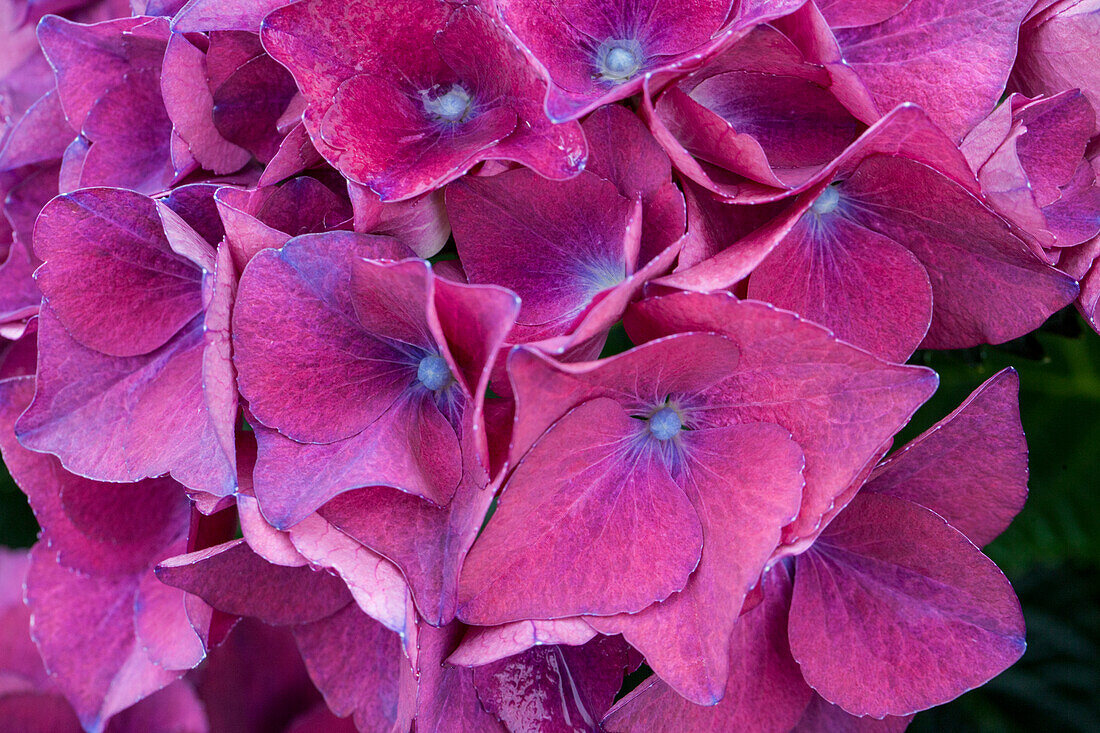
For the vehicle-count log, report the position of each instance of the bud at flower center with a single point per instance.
(618, 60)
(665, 423)
(827, 202)
(434, 373)
(451, 106)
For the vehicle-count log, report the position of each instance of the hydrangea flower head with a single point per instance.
(453, 366)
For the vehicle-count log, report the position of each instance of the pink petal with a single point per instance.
(367, 70)
(93, 527)
(475, 320)
(255, 682)
(564, 38)
(765, 693)
(87, 403)
(556, 151)
(823, 717)
(219, 378)
(359, 666)
(1055, 48)
(427, 542)
(295, 154)
(162, 628)
(18, 358)
(855, 13)
(724, 114)
(266, 541)
(1058, 130)
(745, 482)
(248, 104)
(581, 229)
(90, 59)
(906, 131)
(190, 105)
(421, 223)
(829, 270)
(584, 491)
(223, 15)
(622, 151)
(795, 374)
(637, 379)
(83, 626)
(926, 67)
(22, 666)
(20, 296)
(268, 217)
(40, 135)
(960, 242)
(1074, 218)
(233, 579)
(126, 155)
(321, 720)
(149, 291)
(577, 685)
(485, 644)
(970, 467)
(174, 709)
(894, 611)
(294, 314)
(447, 699)
(375, 583)
(411, 447)
(28, 710)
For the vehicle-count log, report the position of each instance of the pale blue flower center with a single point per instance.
(451, 106)
(618, 60)
(433, 372)
(603, 275)
(665, 423)
(827, 202)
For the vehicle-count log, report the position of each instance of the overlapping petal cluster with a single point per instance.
(435, 365)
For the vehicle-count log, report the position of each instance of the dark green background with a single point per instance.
(1051, 552)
